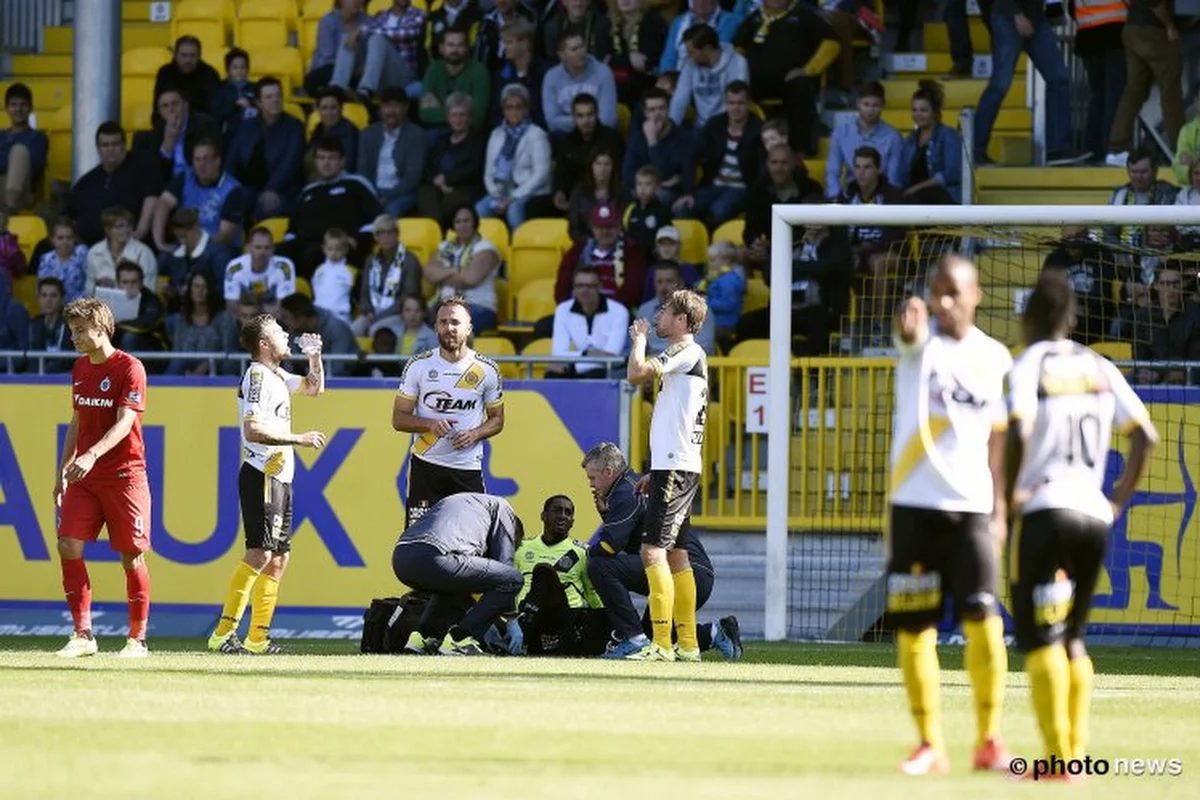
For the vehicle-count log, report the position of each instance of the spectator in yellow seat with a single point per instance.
(646, 215)
(413, 333)
(267, 155)
(785, 182)
(588, 324)
(710, 68)
(120, 179)
(345, 28)
(234, 101)
(789, 46)
(877, 250)
(600, 185)
(454, 72)
(465, 266)
(577, 73)
(68, 262)
(145, 332)
(392, 154)
(118, 245)
(1090, 271)
(1167, 330)
(730, 161)
(1143, 189)
(197, 252)
(390, 274)
(190, 74)
(866, 130)
(724, 285)
(215, 194)
(573, 150)
(203, 326)
(48, 331)
(330, 106)
(260, 276)
(517, 164)
(389, 47)
(579, 17)
(176, 129)
(454, 164)
(659, 142)
(638, 39)
(931, 157)
(1187, 149)
(620, 263)
(23, 150)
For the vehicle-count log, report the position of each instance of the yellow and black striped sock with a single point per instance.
(1050, 685)
(922, 680)
(266, 593)
(986, 660)
(236, 599)
(1079, 704)
(662, 603)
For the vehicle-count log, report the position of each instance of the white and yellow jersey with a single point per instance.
(1065, 399)
(460, 392)
(271, 285)
(949, 399)
(677, 422)
(265, 395)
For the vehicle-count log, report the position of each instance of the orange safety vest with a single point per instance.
(1094, 13)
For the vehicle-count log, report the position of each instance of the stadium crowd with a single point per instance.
(606, 115)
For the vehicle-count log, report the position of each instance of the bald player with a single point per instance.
(947, 508)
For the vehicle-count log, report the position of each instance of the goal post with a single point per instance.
(781, 420)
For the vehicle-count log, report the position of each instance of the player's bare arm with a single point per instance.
(493, 423)
(639, 368)
(405, 419)
(997, 445)
(260, 432)
(1142, 441)
(912, 322)
(1014, 456)
(314, 381)
(83, 463)
(68, 456)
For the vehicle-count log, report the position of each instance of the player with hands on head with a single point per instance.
(265, 480)
(1063, 401)
(101, 481)
(947, 507)
(452, 400)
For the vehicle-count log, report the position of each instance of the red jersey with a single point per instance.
(98, 390)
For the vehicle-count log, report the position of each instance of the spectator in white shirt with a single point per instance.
(333, 282)
(118, 245)
(588, 325)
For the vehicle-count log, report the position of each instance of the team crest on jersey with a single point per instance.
(433, 374)
(105, 384)
(471, 378)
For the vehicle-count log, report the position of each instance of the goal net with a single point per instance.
(1135, 273)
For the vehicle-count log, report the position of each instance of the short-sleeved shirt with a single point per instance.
(460, 392)
(274, 283)
(949, 399)
(265, 395)
(1065, 399)
(677, 424)
(568, 559)
(127, 186)
(99, 390)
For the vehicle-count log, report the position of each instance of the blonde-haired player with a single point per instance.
(947, 516)
(265, 479)
(676, 437)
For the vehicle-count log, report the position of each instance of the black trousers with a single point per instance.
(552, 627)
(615, 578)
(450, 580)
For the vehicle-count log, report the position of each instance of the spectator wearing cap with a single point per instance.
(267, 154)
(587, 324)
(662, 143)
(617, 259)
(664, 249)
(391, 154)
(517, 164)
(23, 150)
(667, 277)
(195, 78)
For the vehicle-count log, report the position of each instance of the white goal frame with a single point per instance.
(779, 416)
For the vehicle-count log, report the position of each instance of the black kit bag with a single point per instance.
(389, 621)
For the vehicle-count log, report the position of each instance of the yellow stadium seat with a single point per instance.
(58, 163)
(308, 38)
(538, 347)
(364, 343)
(286, 10)
(1114, 351)
(280, 62)
(29, 230)
(144, 62)
(278, 226)
(304, 287)
(534, 300)
(752, 348)
(292, 109)
(758, 295)
(537, 251)
(357, 114)
(260, 32)
(624, 115)
(499, 346)
(694, 247)
(503, 301)
(732, 231)
(495, 230)
(209, 21)
(25, 292)
(422, 236)
(138, 90)
(137, 115)
(315, 8)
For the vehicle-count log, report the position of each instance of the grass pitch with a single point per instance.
(791, 721)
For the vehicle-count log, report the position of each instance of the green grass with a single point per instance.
(812, 721)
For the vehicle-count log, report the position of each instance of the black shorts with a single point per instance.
(669, 506)
(933, 553)
(266, 510)
(429, 483)
(1054, 562)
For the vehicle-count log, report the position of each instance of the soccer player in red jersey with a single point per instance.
(102, 479)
